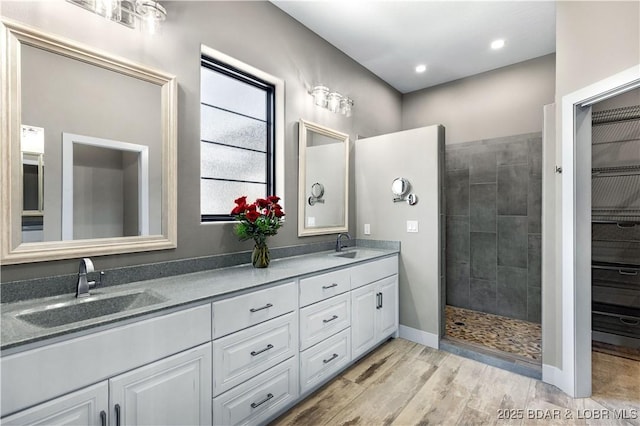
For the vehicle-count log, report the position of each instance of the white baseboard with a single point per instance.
(419, 336)
(553, 375)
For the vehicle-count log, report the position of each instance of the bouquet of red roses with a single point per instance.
(259, 219)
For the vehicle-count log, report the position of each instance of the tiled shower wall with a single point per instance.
(493, 225)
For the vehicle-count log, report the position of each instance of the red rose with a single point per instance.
(252, 216)
(241, 201)
(278, 212)
(262, 203)
(251, 207)
(273, 198)
(238, 209)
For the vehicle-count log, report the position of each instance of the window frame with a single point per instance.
(225, 64)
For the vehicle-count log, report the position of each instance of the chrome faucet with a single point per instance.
(339, 245)
(86, 266)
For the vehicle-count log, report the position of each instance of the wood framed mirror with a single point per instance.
(91, 95)
(324, 163)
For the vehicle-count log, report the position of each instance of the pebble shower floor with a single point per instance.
(515, 337)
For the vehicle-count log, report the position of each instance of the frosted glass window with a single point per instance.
(224, 162)
(217, 196)
(233, 95)
(236, 138)
(232, 129)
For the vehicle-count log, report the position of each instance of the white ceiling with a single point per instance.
(451, 37)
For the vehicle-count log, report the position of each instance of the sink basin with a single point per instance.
(349, 254)
(75, 310)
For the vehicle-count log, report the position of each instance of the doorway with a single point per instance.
(576, 215)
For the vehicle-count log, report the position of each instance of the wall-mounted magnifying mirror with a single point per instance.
(317, 192)
(324, 157)
(400, 188)
(110, 181)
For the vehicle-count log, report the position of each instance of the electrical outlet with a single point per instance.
(412, 226)
(367, 229)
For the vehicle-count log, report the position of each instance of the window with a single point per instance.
(239, 134)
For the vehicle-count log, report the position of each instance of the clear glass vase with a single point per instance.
(260, 256)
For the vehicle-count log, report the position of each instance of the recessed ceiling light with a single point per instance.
(497, 44)
(421, 68)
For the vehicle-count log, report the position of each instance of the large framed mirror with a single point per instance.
(323, 180)
(88, 150)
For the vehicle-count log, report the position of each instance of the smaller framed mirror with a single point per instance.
(323, 180)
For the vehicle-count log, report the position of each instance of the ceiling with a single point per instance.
(452, 38)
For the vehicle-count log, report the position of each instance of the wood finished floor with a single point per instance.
(403, 383)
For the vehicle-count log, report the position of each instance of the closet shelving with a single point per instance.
(616, 226)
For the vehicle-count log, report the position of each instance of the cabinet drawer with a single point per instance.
(320, 287)
(324, 359)
(242, 355)
(323, 319)
(240, 312)
(622, 325)
(369, 272)
(258, 399)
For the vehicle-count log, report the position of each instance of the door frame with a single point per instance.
(576, 226)
(68, 140)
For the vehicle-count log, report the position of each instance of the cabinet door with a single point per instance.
(173, 391)
(387, 321)
(88, 406)
(363, 320)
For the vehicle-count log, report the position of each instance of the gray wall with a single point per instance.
(257, 33)
(417, 156)
(493, 198)
(504, 102)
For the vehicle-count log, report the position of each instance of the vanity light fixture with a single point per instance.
(144, 14)
(333, 101)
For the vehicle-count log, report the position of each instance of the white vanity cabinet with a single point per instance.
(241, 359)
(151, 372)
(374, 314)
(173, 391)
(344, 314)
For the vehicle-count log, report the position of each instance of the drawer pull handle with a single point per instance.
(257, 404)
(254, 353)
(117, 408)
(335, 317)
(328, 360)
(326, 287)
(630, 273)
(627, 321)
(103, 418)
(267, 306)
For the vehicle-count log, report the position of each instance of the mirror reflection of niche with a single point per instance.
(105, 192)
(326, 165)
(32, 157)
(61, 94)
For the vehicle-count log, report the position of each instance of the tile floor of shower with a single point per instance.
(507, 338)
(517, 340)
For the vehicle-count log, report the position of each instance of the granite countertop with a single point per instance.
(172, 292)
